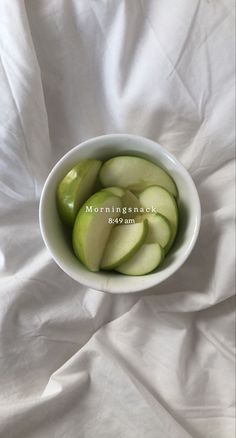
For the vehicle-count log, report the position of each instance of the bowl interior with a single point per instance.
(58, 239)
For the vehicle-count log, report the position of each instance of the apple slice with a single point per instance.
(159, 229)
(145, 260)
(75, 188)
(130, 202)
(118, 191)
(135, 174)
(92, 227)
(124, 241)
(131, 205)
(164, 203)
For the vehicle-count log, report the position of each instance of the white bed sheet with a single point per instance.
(74, 362)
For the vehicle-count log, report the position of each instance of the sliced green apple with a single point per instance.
(145, 260)
(164, 203)
(159, 229)
(130, 202)
(77, 185)
(124, 241)
(135, 174)
(92, 227)
(117, 191)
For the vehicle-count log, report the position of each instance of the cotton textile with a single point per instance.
(75, 362)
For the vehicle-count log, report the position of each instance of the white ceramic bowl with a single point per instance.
(102, 148)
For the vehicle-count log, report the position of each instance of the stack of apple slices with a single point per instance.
(129, 224)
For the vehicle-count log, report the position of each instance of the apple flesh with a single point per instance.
(124, 241)
(117, 191)
(165, 204)
(92, 228)
(159, 229)
(135, 174)
(144, 261)
(130, 202)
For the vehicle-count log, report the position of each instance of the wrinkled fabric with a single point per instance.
(75, 362)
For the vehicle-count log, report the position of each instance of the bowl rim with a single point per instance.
(138, 286)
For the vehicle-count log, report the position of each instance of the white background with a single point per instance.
(76, 363)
